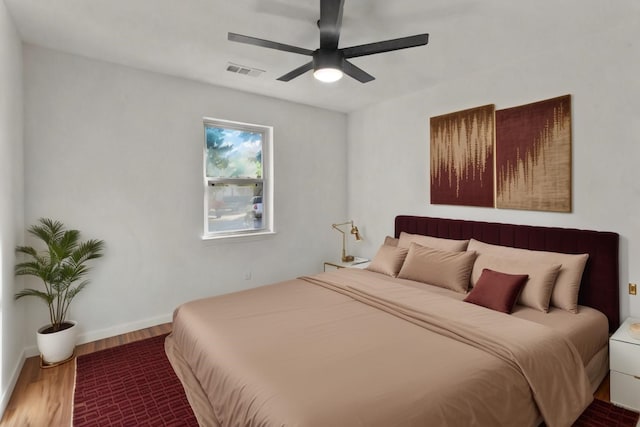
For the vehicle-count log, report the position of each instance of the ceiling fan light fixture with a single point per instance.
(327, 65)
(329, 61)
(328, 75)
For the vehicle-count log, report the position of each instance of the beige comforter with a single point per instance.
(354, 348)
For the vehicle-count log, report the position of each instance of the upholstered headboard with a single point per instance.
(600, 286)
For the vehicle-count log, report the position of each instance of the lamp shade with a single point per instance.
(356, 233)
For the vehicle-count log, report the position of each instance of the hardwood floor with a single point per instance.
(42, 397)
(602, 393)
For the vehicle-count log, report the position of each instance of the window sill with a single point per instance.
(238, 236)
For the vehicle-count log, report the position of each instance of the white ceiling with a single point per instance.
(188, 38)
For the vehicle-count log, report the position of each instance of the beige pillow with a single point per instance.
(432, 242)
(390, 241)
(445, 269)
(538, 287)
(567, 285)
(388, 260)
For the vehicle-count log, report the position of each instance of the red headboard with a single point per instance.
(600, 286)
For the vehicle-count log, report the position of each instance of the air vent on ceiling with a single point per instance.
(243, 69)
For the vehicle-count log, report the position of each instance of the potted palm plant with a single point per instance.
(62, 268)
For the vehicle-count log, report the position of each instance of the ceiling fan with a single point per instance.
(330, 62)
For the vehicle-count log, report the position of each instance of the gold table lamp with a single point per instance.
(354, 231)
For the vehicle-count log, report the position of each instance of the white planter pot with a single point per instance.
(58, 346)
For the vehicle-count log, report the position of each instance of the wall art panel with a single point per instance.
(533, 156)
(462, 157)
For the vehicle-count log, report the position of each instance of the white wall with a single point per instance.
(388, 168)
(117, 153)
(11, 202)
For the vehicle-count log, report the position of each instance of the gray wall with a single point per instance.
(117, 153)
(11, 203)
(389, 142)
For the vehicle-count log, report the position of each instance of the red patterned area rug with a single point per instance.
(134, 385)
(130, 385)
(604, 414)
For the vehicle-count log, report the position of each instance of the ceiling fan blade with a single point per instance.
(268, 43)
(357, 73)
(297, 72)
(330, 23)
(386, 46)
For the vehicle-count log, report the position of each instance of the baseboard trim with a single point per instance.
(6, 394)
(111, 332)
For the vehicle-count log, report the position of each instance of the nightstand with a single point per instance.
(624, 362)
(356, 263)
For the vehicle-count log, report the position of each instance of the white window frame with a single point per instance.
(267, 179)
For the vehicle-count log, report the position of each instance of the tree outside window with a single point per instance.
(237, 198)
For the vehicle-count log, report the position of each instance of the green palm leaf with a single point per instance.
(60, 266)
(48, 298)
(75, 291)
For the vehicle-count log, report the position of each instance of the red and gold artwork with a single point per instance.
(462, 157)
(533, 156)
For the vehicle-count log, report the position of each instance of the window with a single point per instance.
(237, 179)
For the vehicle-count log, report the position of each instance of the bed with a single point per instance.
(363, 348)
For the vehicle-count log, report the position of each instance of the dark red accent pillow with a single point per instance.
(497, 291)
